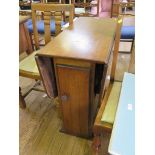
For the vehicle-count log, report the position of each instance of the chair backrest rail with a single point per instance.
(116, 47)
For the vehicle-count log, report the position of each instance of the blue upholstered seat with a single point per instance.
(40, 26)
(128, 32)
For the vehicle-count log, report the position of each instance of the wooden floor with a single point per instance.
(39, 130)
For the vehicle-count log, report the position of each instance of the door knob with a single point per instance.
(64, 97)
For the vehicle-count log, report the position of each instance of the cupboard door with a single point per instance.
(73, 83)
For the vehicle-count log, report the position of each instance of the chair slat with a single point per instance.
(47, 18)
(58, 19)
(36, 35)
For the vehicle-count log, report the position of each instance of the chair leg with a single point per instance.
(21, 100)
(132, 45)
(96, 145)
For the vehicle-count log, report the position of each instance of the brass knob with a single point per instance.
(64, 97)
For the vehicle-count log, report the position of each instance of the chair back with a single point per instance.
(48, 11)
(86, 5)
(116, 47)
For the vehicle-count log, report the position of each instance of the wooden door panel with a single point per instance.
(74, 94)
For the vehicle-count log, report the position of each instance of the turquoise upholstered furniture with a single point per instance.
(122, 140)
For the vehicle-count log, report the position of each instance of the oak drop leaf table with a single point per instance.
(75, 65)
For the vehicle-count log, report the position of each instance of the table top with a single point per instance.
(23, 19)
(122, 140)
(89, 39)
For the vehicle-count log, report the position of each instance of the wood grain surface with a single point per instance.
(89, 38)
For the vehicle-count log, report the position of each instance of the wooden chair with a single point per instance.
(26, 5)
(28, 67)
(127, 31)
(83, 7)
(25, 42)
(40, 21)
(108, 101)
(107, 111)
(119, 8)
